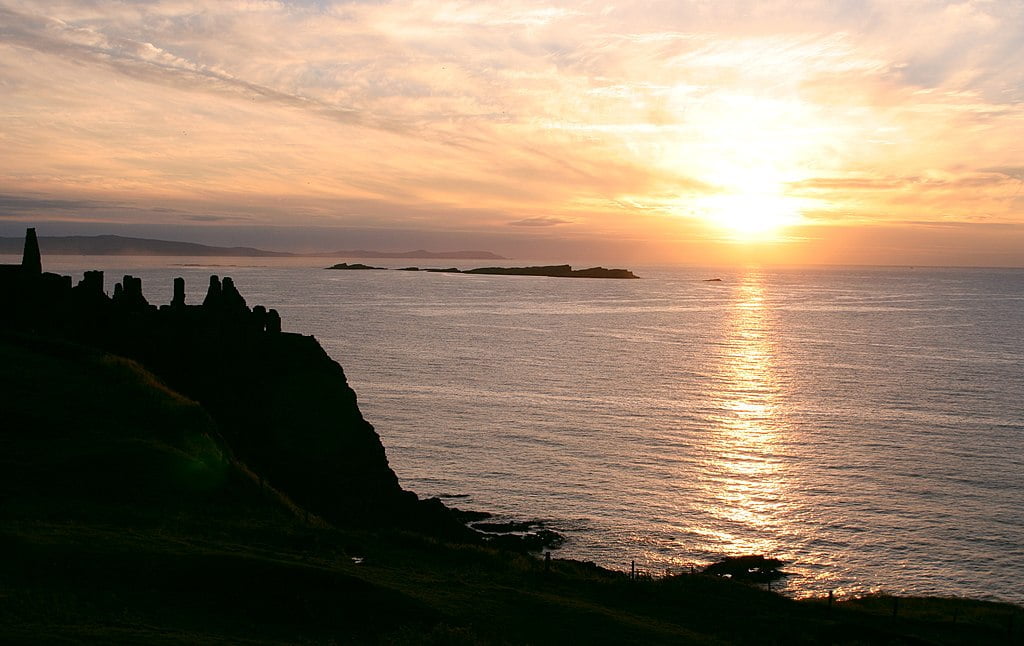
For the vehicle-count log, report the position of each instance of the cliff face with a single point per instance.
(282, 405)
(286, 409)
(73, 441)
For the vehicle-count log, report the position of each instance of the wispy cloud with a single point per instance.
(146, 62)
(540, 221)
(17, 205)
(619, 118)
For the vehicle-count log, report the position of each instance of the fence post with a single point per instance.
(831, 597)
(632, 570)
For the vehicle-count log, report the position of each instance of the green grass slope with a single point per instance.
(124, 518)
(87, 430)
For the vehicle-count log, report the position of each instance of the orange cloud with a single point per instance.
(655, 125)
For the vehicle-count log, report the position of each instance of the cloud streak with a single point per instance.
(539, 221)
(146, 62)
(626, 120)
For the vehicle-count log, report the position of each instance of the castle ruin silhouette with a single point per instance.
(45, 300)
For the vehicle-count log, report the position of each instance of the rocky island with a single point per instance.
(551, 271)
(195, 474)
(555, 271)
(355, 265)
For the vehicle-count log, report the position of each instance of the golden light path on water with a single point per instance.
(733, 491)
(862, 425)
(749, 488)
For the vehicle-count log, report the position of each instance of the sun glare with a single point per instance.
(750, 216)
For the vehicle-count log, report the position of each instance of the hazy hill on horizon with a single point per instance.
(115, 245)
(418, 253)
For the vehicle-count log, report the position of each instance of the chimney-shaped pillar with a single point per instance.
(273, 322)
(92, 282)
(31, 263)
(179, 293)
(214, 295)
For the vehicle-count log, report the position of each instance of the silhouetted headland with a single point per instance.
(283, 406)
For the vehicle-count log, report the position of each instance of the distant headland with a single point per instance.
(113, 245)
(551, 271)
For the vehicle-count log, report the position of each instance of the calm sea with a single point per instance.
(864, 425)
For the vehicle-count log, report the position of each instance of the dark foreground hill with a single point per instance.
(124, 518)
(141, 503)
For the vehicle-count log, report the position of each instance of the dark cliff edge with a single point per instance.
(279, 402)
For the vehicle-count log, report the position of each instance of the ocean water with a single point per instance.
(865, 425)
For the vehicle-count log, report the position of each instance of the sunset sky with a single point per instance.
(887, 132)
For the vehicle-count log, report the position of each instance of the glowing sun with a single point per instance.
(750, 216)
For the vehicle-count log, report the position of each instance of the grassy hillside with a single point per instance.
(124, 517)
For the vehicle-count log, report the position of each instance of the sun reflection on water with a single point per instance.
(746, 490)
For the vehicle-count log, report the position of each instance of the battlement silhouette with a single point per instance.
(281, 405)
(31, 264)
(45, 301)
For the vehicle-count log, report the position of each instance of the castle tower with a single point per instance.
(179, 293)
(214, 295)
(31, 263)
